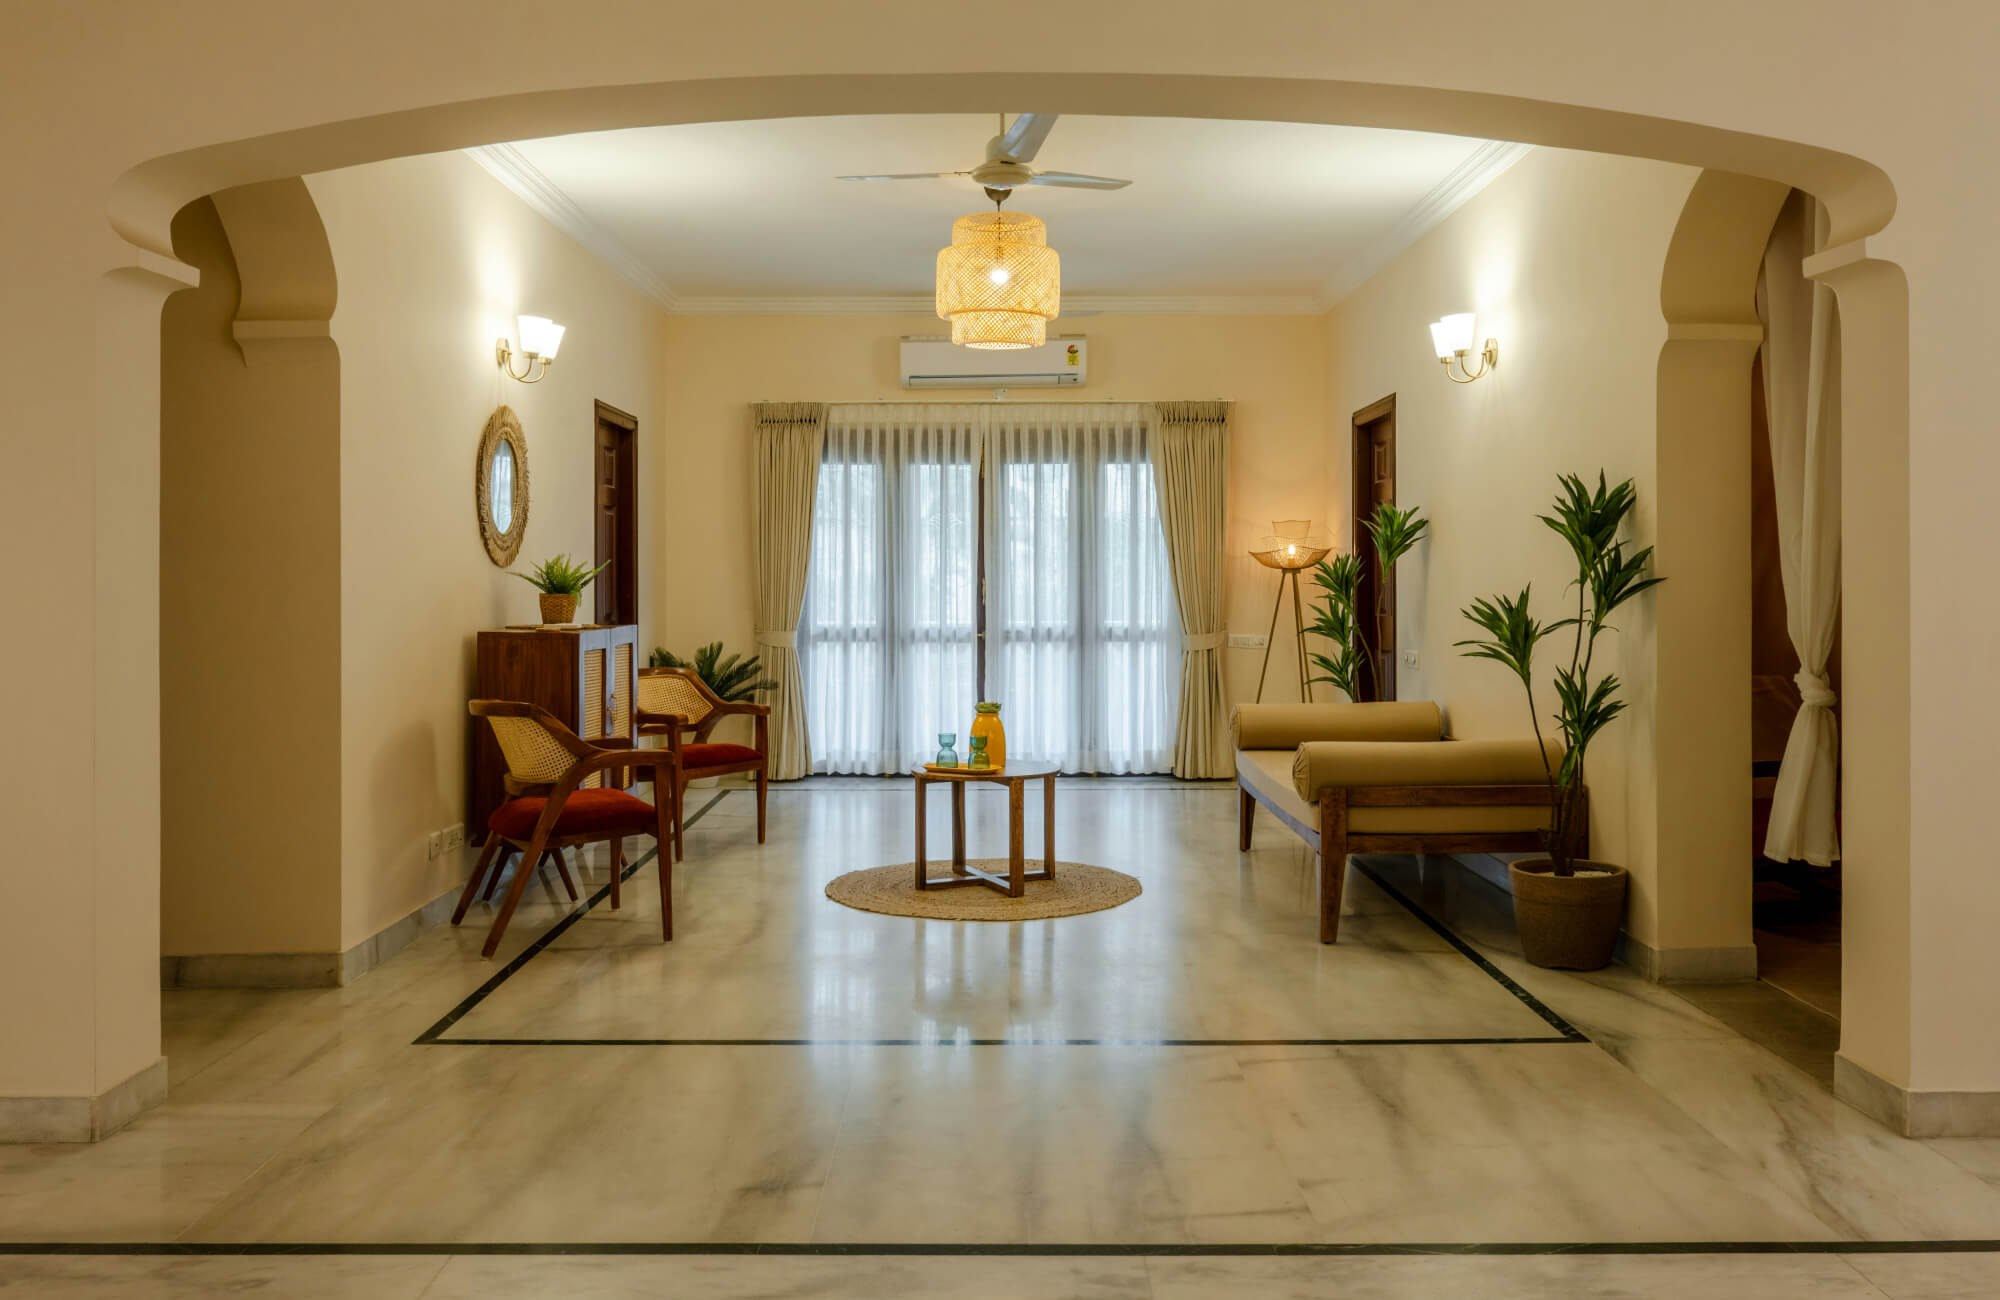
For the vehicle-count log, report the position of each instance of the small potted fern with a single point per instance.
(1568, 908)
(560, 580)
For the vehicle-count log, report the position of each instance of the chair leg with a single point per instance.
(486, 856)
(680, 820)
(499, 869)
(1246, 816)
(562, 869)
(664, 822)
(531, 855)
(617, 871)
(763, 783)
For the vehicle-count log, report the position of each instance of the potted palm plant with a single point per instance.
(1335, 618)
(1568, 908)
(732, 679)
(560, 580)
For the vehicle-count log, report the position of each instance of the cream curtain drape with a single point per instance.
(1802, 397)
(1190, 450)
(789, 438)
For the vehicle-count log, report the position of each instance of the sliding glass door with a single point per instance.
(888, 635)
(1081, 639)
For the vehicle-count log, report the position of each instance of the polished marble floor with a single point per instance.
(1189, 1082)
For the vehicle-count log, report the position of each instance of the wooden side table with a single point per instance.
(1014, 776)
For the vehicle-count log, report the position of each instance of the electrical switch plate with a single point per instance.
(1247, 641)
(1412, 659)
(437, 843)
(454, 836)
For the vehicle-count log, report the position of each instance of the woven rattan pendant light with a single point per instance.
(999, 284)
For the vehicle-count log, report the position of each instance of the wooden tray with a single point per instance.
(965, 767)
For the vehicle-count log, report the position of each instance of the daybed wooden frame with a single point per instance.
(1332, 841)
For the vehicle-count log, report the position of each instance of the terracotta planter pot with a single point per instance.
(1568, 922)
(558, 607)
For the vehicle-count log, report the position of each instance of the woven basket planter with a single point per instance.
(1568, 922)
(558, 607)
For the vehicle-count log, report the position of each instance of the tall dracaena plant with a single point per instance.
(1335, 617)
(1607, 576)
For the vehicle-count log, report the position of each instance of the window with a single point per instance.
(1082, 643)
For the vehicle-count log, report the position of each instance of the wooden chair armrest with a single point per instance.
(743, 706)
(647, 718)
(653, 758)
(610, 742)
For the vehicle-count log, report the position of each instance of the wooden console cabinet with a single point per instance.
(584, 674)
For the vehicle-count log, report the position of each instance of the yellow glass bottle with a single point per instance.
(986, 722)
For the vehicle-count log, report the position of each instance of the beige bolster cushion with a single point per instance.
(1286, 726)
(1326, 764)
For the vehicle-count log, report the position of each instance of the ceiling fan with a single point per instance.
(1007, 157)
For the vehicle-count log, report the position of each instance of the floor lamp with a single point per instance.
(1290, 550)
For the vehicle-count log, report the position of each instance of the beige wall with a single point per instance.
(1272, 367)
(435, 260)
(1878, 119)
(1561, 257)
(249, 623)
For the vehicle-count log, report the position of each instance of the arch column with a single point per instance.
(83, 1025)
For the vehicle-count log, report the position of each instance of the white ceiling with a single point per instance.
(1221, 215)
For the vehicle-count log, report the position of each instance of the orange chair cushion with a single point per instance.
(715, 755)
(587, 812)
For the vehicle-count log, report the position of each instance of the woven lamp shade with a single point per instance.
(999, 284)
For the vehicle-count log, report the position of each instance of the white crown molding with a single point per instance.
(1480, 169)
(511, 168)
(1073, 305)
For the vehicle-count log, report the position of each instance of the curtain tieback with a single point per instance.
(786, 639)
(1203, 641)
(1815, 692)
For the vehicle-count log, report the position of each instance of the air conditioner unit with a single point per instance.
(940, 363)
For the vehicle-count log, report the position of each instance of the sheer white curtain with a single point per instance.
(1083, 641)
(887, 634)
(1802, 402)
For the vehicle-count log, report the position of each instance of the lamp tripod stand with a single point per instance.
(1287, 577)
(1290, 551)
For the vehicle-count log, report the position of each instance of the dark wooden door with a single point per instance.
(1374, 481)
(615, 481)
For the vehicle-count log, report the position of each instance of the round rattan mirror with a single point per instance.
(500, 487)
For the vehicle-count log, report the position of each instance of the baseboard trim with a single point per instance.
(83, 1119)
(1662, 966)
(1916, 1114)
(304, 970)
(1688, 965)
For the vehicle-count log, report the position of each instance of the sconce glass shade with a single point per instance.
(540, 336)
(1454, 334)
(999, 284)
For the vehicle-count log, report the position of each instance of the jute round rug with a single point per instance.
(1077, 888)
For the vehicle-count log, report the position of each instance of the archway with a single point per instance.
(1858, 195)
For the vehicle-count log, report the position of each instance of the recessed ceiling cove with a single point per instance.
(1220, 215)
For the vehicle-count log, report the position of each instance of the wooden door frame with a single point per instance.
(1361, 498)
(626, 571)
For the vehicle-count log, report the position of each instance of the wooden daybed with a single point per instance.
(1384, 778)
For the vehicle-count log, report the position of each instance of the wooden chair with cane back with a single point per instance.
(676, 702)
(548, 807)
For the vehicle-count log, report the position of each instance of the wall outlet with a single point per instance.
(1412, 659)
(436, 843)
(454, 837)
(1248, 641)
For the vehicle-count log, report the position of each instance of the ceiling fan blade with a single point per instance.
(906, 176)
(1023, 140)
(1078, 181)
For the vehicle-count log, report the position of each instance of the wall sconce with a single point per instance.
(540, 340)
(1452, 337)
